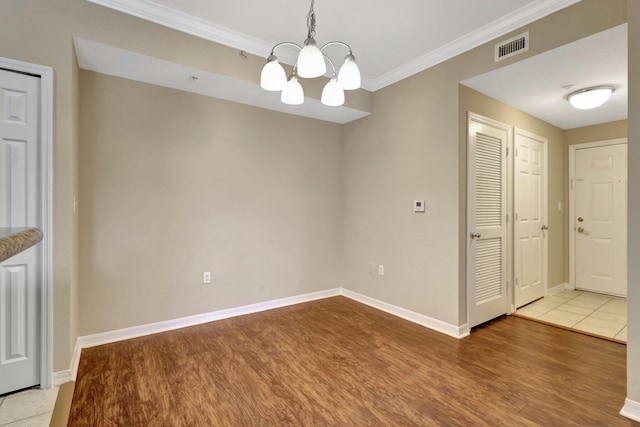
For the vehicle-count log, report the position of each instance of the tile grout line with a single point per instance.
(25, 418)
(585, 317)
(620, 331)
(43, 411)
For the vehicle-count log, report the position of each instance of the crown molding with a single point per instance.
(177, 20)
(482, 35)
(172, 18)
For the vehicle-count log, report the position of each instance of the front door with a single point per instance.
(600, 230)
(20, 275)
(530, 217)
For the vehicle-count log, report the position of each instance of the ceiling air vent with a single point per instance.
(514, 46)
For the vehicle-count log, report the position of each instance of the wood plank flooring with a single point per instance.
(336, 362)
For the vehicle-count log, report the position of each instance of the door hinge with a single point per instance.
(507, 151)
(507, 218)
(508, 285)
(571, 184)
(516, 281)
(516, 154)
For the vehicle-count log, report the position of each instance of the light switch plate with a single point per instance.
(418, 206)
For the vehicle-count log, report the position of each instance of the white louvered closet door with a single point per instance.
(487, 227)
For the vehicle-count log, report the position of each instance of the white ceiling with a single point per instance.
(537, 85)
(391, 41)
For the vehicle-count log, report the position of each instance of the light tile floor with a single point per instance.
(597, 314)
(29, 408)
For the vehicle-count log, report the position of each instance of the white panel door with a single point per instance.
(601, 219)
(487, 228)
(530, 218)
(20, 275)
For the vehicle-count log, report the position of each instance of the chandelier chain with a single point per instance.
(311, 22)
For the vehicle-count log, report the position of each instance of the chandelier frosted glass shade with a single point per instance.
(273, 77)
(592, 97)
(332, 94)
(311, 63)
(349, 74)
(292, 92)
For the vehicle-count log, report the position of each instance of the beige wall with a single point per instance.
(41, 32)
(174, 184)
(411, 148)
(633, 296)
(600, 132)
(558, 252)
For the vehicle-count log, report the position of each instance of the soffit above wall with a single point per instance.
(105, 59)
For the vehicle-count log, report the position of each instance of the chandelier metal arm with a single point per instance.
(337, 43)
(333, 67)
(273, 49)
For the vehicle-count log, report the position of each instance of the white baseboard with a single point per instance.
(198, 319)
(556, 289)
(631, 409)
(168, 325)
(61, 377)
(426, 321)
(75, 359)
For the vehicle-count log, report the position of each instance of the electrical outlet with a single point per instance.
(206, 278)
(381, 270)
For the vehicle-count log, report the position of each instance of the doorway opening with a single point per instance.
(538, 99)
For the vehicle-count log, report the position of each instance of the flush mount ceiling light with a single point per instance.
(311, 63)
(591, 97)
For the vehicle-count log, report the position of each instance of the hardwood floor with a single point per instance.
(336, 362)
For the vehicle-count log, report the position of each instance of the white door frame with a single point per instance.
(572, 207)
(46, 203)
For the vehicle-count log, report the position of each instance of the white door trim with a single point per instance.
(572, 213)
(46, 166)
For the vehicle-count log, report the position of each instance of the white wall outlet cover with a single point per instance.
(418, 206)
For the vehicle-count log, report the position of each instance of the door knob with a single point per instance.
(475, 235)
(580, 229)
(545, 227)
(580, 219)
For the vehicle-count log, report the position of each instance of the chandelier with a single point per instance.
(311, 63)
